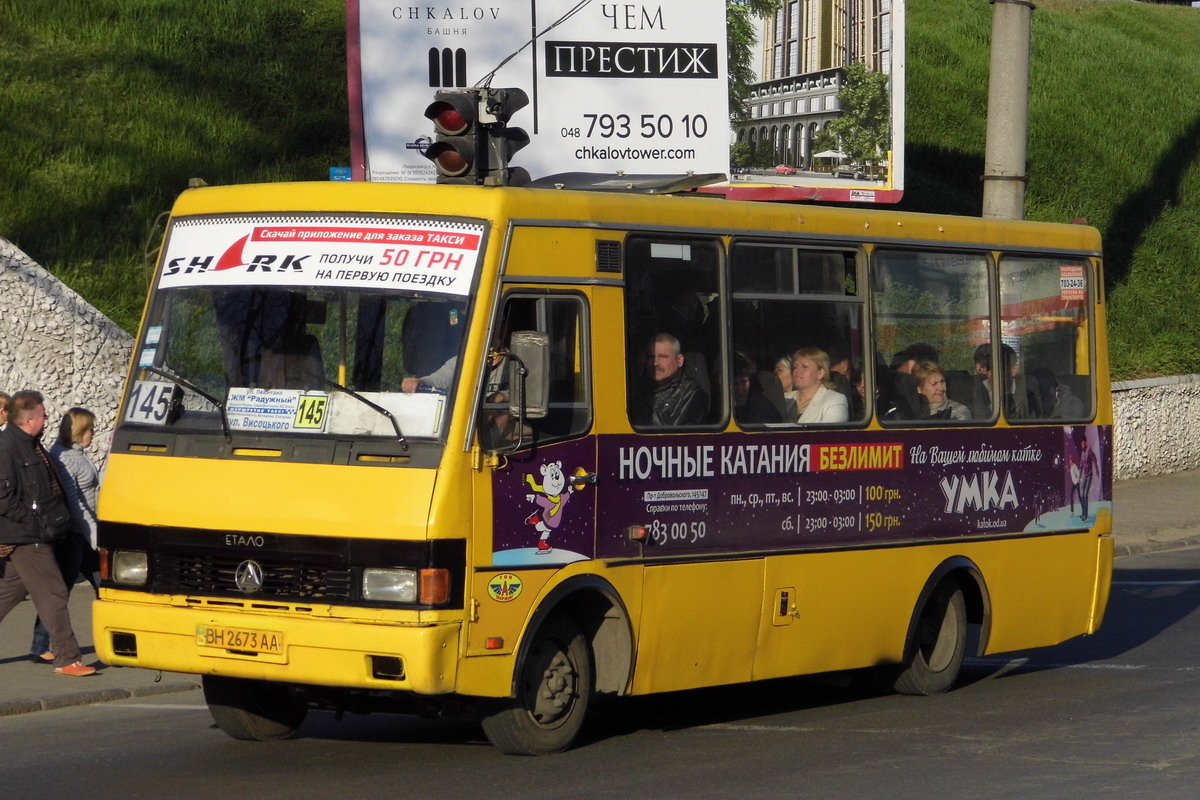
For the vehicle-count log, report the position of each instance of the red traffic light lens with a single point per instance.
(450, 163)
(447, 120)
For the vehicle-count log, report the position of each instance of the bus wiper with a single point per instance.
(391, 417)
(189, 385)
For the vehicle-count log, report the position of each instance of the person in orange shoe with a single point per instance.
(33, 514)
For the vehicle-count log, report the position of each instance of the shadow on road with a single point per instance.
(1144, 603)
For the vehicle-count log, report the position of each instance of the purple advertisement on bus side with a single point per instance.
(698, 495)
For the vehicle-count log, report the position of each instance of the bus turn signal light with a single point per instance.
(435, 586)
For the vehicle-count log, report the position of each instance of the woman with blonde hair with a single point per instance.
(817, 398)
(931, 386)
(76, 553)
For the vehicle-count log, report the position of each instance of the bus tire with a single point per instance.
(257, 711)
(940, 642)
(553, 689)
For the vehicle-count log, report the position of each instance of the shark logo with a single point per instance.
(234, 256)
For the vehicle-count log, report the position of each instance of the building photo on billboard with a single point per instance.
(828, 106)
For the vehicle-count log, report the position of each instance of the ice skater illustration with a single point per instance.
(551, 498)
(1075, 476)
(1089, 468)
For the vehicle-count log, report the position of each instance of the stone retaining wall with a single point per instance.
(57, 343)
(1157, 425)
(54, 341)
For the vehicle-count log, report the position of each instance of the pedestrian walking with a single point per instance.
(33, 514)
(76, 553)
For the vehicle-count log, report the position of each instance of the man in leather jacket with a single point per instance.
(29, 566)
(677, 399)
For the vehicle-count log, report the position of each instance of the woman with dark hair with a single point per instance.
(76, 553)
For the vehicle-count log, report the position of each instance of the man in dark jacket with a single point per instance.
(677, 399)
(27, 477)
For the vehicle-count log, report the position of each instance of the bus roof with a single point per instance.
(616, 210)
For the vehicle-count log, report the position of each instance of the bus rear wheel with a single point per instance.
(553, 689)
(940, 642)
(257, 711)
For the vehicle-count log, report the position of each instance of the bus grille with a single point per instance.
(214, 575)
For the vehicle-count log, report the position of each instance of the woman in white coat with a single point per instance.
(817, 398)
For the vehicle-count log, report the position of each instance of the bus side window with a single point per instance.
(673, 313)
(564, 319)
(1044, 322)
(789, 299)
(932, 322)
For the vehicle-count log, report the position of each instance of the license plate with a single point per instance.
(246, 640)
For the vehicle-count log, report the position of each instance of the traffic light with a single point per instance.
(474, 142)
(455, 152)
(503, 141)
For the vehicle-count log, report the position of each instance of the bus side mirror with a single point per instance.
(529, 374)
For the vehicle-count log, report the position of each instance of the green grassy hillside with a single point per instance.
(108, 107)
(1114, 118)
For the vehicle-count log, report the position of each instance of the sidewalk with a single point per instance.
(1152, 514)
(26, 686)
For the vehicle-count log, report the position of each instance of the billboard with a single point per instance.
(612, 86)
(826, 117)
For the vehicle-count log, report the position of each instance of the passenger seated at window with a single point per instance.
(907, 359)
(674, 398)
(1063, 403)
(783, 374)
(896, 395)
(1019, 401)
(817, 399)
(840, 366)
(858, 402)
(750, 405)
(839, 363)
(931, 386)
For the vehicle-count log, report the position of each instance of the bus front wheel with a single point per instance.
(940, 642)
(553, 688)
(253, 710)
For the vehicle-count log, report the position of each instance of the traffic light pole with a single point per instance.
(1004, 160)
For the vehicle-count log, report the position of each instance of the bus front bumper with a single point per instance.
(322, 651)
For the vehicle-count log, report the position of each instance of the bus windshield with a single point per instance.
(307, 324)
(299, 360)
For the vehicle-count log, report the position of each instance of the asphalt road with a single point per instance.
(1113, 715)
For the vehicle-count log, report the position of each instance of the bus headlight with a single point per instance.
(130, 567)
(390, 585)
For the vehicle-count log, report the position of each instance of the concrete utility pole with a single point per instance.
(1008, 111)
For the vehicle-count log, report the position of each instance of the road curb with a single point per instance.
(1155, 546)
(28, 705)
